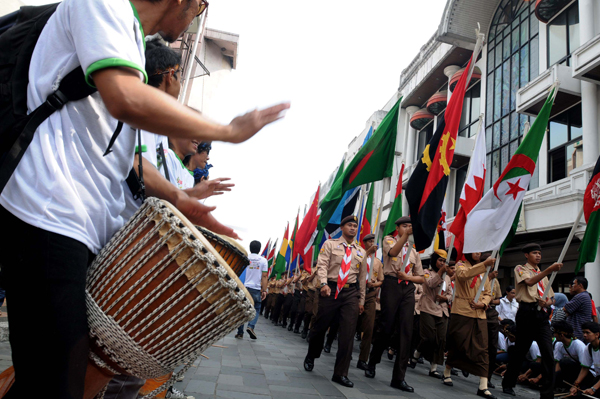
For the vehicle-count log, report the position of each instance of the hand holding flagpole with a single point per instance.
(484, 279)
(450, 248)
(495, 269)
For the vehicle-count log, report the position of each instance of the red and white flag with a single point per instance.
(471, 193)
(307, 232)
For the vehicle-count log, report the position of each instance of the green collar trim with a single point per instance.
(182, 165)
(135, 13)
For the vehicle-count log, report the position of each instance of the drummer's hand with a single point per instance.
(245, 126)
(207, 188)
(200, 214)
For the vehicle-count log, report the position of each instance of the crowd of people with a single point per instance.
(414, 314)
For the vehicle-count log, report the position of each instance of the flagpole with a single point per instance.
(378, 230)
(495, 269)
(562, 254)
(450, 248)
(485, 276)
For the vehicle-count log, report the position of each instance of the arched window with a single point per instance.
(512, 62)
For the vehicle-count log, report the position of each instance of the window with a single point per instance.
(423, 138)
(563, 36)
(565, 144)
(471, 112)
(512, 61)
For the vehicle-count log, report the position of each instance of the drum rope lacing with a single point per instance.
(112, 337)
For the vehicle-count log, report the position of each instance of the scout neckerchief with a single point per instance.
(478, 277)
(540, 285)
(404, 255)
(344, 269)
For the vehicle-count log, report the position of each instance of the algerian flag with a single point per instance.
(489, 222)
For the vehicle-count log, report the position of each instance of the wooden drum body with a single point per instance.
(159, 294)
(232, 252)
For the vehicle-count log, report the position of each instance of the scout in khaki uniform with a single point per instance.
(434, 312)
(368, 316)
(467, 330)
(279, 299)
(270, 297)
(303, 284)
(310, 300)
(532, 324)
(397, 302)
(493, 325)
(342, 283)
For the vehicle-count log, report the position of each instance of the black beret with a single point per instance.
(531, 247)
(402, 220)
(349, 219)
(369, 237)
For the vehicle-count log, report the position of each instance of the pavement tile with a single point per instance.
(230, 379)
(203, 387)
(243, 389)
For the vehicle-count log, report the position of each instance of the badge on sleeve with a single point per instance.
(390, 241)
(520, 271)
(322, 249)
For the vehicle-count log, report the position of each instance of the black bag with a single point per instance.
(19, 32)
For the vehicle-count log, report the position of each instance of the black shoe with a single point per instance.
(309, 363)
(412, 363)
(327, 348)
(390, 355)
(296, 331)
(362, 365)
(304, 334)
(284, 324)
(421, 360)
(401, 385)
(484, 393)
(490, 385)
(453, 372)
(342, 380)
(290, 327)
(358, 338)
(465, 373)
(508, 391)
(251, 332)
(370, 372)
(435, 374)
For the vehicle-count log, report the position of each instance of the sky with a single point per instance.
(337, 62)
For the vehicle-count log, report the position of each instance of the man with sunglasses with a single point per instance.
(66, 195)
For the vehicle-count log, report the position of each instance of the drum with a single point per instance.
(234, 254)
(159, 294)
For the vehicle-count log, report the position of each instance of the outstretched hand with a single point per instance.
(244, 127)
(200, 214)
(207, 188)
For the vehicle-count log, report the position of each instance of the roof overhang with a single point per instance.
(460, 19)
(227, 42)
(531, 98)
(546, 9)
(586, 61)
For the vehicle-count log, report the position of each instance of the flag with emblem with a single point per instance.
(396, 210)
(426, 187)
(373, 162)
(440, 238)
(490, 221)
(344, 269)
(591, 207)
(307, 232)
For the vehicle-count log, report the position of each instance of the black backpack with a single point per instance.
(19, 33)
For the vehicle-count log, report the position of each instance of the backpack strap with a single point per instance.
(163, 159)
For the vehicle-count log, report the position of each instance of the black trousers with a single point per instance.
(287, 307)
(397, 309)
(532, 325)
(333, 331)
(296, 298)
(300, 312)
(44, 276)
(569, 371)
(276, 312)
(493, 328)
(344, 310)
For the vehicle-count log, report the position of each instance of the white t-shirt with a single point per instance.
(507, 309)
(576, 350)
(179, 175)
(150, 143)
(64, 183)
(504, 342)
(593, 362)
(258, 265)
(534, 352)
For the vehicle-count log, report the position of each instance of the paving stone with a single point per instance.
(203, 387)
(230, 379)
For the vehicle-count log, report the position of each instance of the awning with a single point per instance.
(421, 118)
(437, 103)
(546, 9)
(474, 77)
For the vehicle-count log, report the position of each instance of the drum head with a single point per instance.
(209, 247)
(230, 242)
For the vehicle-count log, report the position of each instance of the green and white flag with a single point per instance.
(490, 221)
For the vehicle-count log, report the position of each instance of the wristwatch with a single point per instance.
(323, 285)
(593, 389)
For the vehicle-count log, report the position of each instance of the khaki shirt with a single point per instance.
(418, 295)
(277, 287)
(271, 287)
(312, 285)
(377, 274)
(497, 294)
(393, 264)
(304, 280)
(465, 273)
(433, 282)
(330, 260)
(524, 292)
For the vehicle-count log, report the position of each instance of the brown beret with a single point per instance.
(531, 247)
(369, 237)
(402, 220)
(349, 219)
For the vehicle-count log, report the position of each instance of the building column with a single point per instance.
(411, 135)
(589, 98)
(449, 71)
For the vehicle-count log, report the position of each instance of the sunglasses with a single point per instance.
(173, 70)
(202, 7)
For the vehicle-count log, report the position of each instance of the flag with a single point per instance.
(591, 204)
(440, 238)
(374, 161)
(345, 208)
(292, 261)
(471, 193)
(265, 252)
(271, 257)
(307, 232)
(280, 261)
(491, 219)
(366, 225)
(426, 187)
(396, 210)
